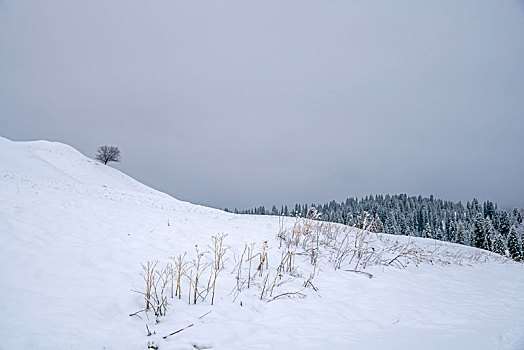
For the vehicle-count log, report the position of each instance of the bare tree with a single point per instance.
(106, 154)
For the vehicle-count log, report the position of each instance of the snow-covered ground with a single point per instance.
(73, 235)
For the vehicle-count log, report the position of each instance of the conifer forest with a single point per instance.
(478, 225)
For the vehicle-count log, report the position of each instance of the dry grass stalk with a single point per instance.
(149, 279)
(287, 263)
(219, 250)
(281, 229)
(309, 282)
(179, 270)
(159, 288)
(264, 286)
(199, 267)
(190, 284)
(277, 275)
(263, 258)
(156, 282)
(250, 258)
(342, 250)
(239, 271)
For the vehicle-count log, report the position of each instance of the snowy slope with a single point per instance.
(74, 232)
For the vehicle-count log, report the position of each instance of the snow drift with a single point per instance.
(74, 233)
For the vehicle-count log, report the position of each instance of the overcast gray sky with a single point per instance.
(242, 103)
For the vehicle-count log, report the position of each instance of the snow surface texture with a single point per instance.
(73, 235)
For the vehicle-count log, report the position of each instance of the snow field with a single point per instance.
(73, 235)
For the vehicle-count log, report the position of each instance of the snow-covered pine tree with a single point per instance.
(513, 245)
(489, 209)
(498, 245)
(504, 225)
(460, 237)
(391, 225)
(427, 231)
(451, 229)
(479, 234)
(489, 233)
(517, 215)
(439, 235)
(522, 250)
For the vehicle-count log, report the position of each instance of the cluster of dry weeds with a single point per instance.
(200, 275)
(314, 243)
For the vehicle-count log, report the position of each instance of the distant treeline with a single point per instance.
(482, 226)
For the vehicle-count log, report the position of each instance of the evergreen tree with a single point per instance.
(498, 245)
(522, 250)
(513, 245)
(391, 225)
(489, 210)
(517, 215)
(504, 224)
(478, 232)
(461, 234)
(489, 234)
(450, 229)
(427, 231)
(439, 235)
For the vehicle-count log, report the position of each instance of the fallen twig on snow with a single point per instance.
(180, 330)
(204, 315)
(289, 295)
(136, 313)
(361, 272)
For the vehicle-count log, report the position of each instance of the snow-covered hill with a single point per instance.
(73, 235)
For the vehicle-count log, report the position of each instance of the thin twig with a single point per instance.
(289, 294)
(180, 330)
(204, 315)
(361, 272)
(135, 313)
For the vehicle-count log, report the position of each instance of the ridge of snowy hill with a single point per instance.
(74, 233)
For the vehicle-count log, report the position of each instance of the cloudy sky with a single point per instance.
(241, 103)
